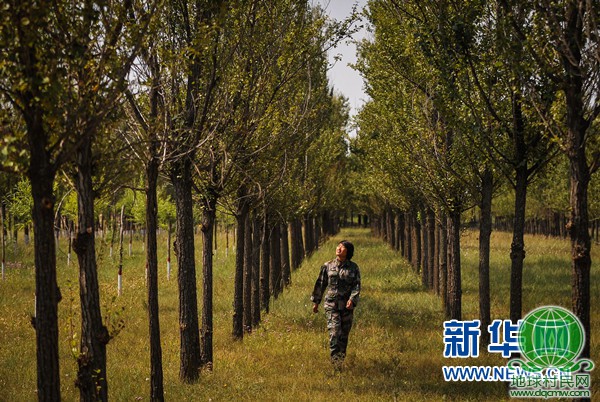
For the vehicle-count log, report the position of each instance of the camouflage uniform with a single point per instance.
(342, 281)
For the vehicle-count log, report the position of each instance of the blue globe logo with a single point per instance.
(551, 336)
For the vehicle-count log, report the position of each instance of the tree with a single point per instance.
(190, 78)
(63, 68)
(151, 139)
(22, 66)
(571, 64)
(413, 84)
(269, 62)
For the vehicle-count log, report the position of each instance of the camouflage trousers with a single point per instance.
(339, 323)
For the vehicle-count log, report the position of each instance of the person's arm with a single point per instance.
(319, 289)
(354, 295)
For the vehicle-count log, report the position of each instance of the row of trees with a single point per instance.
(218, 104)
(470, 101)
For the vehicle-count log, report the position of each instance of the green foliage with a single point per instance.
(166, 208)
(550, 190)
(63, 68)
(280, 130)
(70, 321)
(66, 200)
(19, 203)
(13, 155)
(114, 317)
(135, 205)
(444, 81)
(415, 137)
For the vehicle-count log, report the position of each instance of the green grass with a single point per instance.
(395, 348)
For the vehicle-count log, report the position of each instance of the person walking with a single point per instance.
(339, 283)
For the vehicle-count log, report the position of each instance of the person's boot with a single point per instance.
(337, 361)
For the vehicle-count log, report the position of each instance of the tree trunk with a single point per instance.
(309, 234)
(206, 333)
(186, 273)
(295, 243)
(424, 250)
(328, 229)
(248, 264)
(408, 237)
(454, 268)
(15, 234)
(26, 234)
(285, 255)
(430, 248)
(238, 297)
(335, 223)
(70, 246)
(114, 229)
(91, 375)
(485, 231)
(47, 294)
(226, 240)
(215, 234)
(121, 234)
(143, 232)
(383, 228)
(517, 247)
(265, 261)
(444, 263)
(436, 257)
(317, 237)
(156, 371)
(417, 242)
(100, 225)
(256, 242)
(170, 229)
(2, 235)
(391, 230)
(579, 182)
(275, 261)
(300, 246)
(400, 233)
(131, 229)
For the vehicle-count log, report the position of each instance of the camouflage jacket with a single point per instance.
(342, 281)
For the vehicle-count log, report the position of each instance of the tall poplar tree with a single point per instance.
(64, 66)
(570, 61)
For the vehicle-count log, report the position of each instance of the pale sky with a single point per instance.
(343, 78)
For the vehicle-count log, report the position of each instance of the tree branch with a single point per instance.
(136, 110)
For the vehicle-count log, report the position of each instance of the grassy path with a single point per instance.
(394, 353)
(394, 350)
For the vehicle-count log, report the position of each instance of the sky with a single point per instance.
(343, 78)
